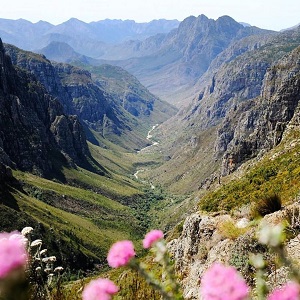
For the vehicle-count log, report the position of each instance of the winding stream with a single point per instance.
(149, 136)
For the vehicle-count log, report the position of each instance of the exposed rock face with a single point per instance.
(27, 113)
(258, 125)
(197, 248)
(107, 105)
(202, 243)
(245, 102)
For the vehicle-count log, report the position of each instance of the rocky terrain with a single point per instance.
(34, 125)
(114, 118)
(244, 102)
(205, 240)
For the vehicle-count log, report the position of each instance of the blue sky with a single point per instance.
(268, 14)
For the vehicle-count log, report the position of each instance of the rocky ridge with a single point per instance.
(244, 102)
(91, 100)
(33, 124)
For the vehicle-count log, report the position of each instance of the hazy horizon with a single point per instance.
(275, 15)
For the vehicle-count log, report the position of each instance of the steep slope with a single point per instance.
(81, 95)
(131, 94)
(231, 119)
(34, 127)
(185, 54)
(84, 207)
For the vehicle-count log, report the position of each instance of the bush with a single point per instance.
(266, 205)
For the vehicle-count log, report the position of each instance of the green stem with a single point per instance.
(150, 279)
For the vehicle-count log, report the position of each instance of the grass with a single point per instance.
(278, 173)
(93, 222)
(229, 230)
(83, 215)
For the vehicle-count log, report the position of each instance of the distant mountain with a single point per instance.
(167, 57)
(291, 28)
(114, 31)
(245, 24)
(60, 52)
(85, 38)
(23, 33)
(173, 62)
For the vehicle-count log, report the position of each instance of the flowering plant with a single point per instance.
(18, 253)
(219, 282)
(24, 266)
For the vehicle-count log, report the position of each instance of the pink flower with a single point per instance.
(152, 237)
(289, 292)
(99, 289)
(120, 254)
(223, 283)
(13, 254)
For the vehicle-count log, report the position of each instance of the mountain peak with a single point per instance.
(74, 21)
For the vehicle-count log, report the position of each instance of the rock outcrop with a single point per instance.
(30, 136)
(258, 125)
(203, 242)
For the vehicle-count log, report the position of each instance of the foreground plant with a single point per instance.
(99, 289)
(25, 270)
(122, 253)
(219, 282)
(13, 262)
(19, 256)
(223, 283)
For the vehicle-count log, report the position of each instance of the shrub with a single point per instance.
(266, 205)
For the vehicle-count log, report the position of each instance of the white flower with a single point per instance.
(257, 261)
(272, 236)
(49, 259)
(52, 258)
(36, 243)
(43, 251)
(38, 269)
(26, 230)
(47, 270)
(58, 269)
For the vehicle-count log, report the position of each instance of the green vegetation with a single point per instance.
(84, 213)
(266, 205)
(229, 230)
(277, 174)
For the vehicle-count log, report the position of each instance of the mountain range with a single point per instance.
(160, 53)
(90, 38)
(76, 122)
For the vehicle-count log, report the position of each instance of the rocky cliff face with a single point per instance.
(30, 133)
(243, 104)
(107, 106)
(258, 126)
(204, 241)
